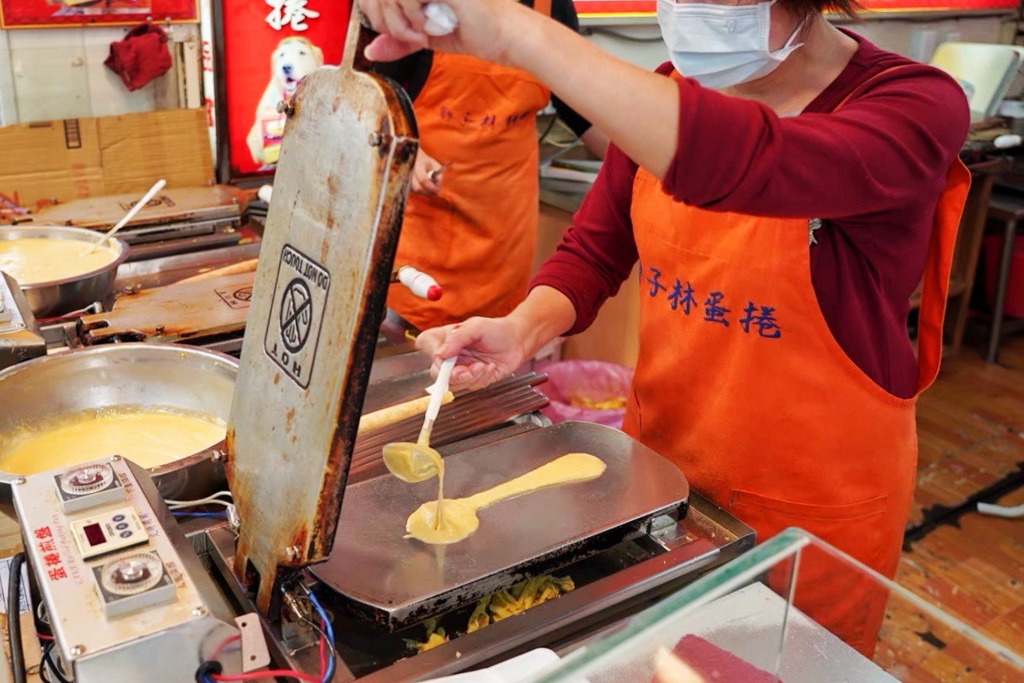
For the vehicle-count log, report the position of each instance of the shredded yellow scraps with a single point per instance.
(617, 403)
(519, 598)
(435, 637)
(410, 335)
(501, 605)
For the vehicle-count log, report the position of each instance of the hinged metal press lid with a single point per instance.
(316, 308)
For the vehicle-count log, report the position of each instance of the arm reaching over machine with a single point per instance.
(637, 109)
(492, 348)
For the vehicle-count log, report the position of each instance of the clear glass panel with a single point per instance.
(794, 609)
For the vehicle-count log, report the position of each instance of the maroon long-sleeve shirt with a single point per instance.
(873, 170)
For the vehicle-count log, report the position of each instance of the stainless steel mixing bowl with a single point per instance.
(57, 297)
(129, 375)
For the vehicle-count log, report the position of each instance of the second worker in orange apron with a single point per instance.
(472, 226)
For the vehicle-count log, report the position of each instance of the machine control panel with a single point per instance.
(108, 532)
(87, 486)
(132, 582)
(116, 573)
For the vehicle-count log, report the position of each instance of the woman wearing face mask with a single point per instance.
(784, 198)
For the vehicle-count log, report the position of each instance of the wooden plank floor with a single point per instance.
(971, 430)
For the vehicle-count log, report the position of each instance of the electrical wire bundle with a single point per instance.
(210, 671)
(14, 620)
(49, 665)
(180, 508)
(52, 665)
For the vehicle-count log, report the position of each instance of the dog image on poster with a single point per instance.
(293, 59)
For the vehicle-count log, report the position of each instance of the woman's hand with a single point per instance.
(482, 30)
(426, 175)
(489, 349)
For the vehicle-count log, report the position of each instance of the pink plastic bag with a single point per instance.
(576, 381)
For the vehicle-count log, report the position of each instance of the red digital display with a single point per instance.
(94, 534)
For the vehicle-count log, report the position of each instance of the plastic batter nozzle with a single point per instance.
(438, 389)
(420, 284)
(441, 19)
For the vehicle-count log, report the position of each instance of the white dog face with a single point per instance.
(294, 59)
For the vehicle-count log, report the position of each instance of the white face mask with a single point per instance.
(720, 46)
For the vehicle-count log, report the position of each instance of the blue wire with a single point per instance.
(330, 634)
(221, 515)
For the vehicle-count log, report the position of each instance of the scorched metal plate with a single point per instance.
(397, 581)
(317, 304)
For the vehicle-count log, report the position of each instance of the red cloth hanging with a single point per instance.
(141, 56)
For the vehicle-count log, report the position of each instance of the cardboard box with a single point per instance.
(58, 161)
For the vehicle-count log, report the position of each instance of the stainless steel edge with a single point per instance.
(537, 626)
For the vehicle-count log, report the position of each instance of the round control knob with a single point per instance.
(85, 479)
(132, 574)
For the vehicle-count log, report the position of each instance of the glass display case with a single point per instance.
(748, 622)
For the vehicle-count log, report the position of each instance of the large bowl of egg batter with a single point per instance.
(57, 268)
(162, 406)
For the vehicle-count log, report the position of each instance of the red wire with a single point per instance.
(323, 658)
(41, 636)
(223, 644)
(255, 675)
(265, 674)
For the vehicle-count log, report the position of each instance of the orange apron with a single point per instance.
(477, 237)
(741, 384)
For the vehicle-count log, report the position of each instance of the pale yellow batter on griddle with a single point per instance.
(149, 438)
(458, 517)
(32, 260)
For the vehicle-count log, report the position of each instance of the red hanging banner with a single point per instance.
(71, 13)
(268, 47)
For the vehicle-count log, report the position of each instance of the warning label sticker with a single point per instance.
(235, 298)
(297, 312)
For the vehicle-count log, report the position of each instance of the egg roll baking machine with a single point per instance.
(316, 514)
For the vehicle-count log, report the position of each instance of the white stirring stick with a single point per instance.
(437, 390)
(159, 185)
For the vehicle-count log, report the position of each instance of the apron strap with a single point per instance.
(935, 284)
(864, 86)
(941, 246)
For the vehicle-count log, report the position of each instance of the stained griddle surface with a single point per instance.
(396, 580)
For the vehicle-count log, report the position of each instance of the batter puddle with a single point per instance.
(149, 438)
(31, 260)
(447, 521)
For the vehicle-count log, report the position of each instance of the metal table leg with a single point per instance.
(1006, 260)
